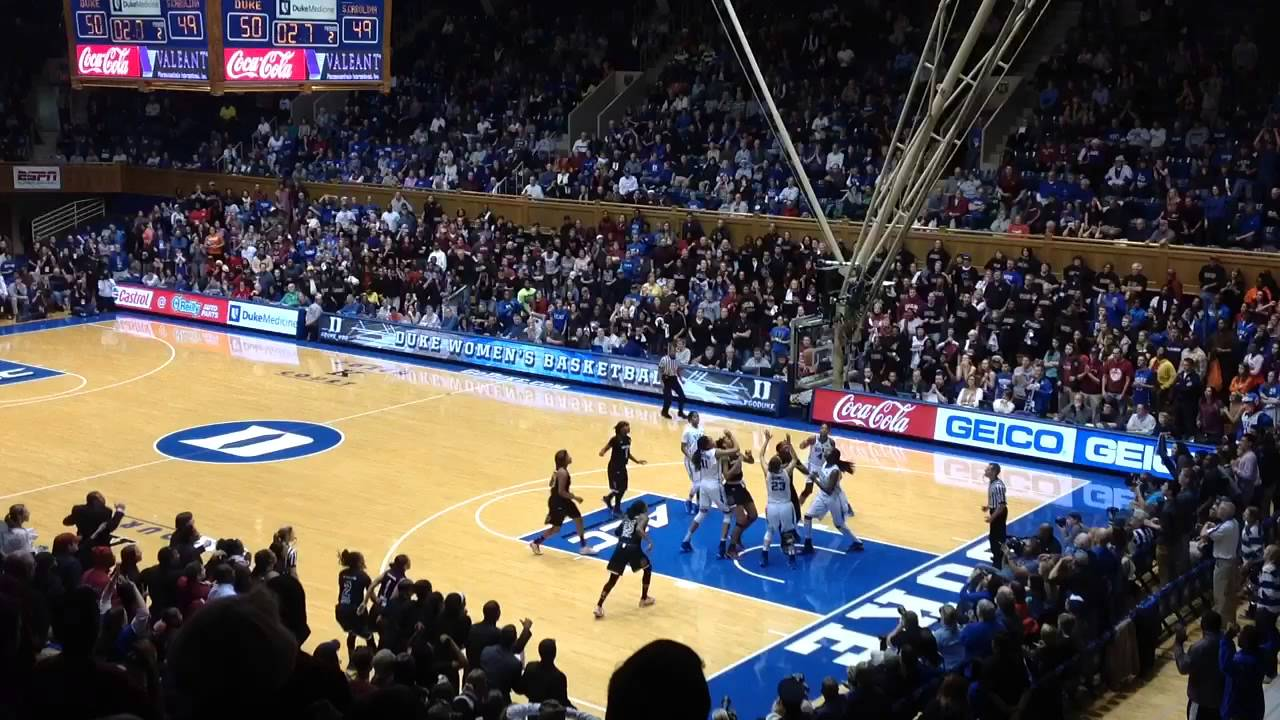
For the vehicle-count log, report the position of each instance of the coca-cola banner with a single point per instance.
(108, 61)
(266, 65)
(874, 412)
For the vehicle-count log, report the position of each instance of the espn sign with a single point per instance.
(265, 65)
(874, 412)
(37, 177)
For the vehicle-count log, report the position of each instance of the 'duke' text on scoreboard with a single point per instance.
(303, 41)
(142, 40)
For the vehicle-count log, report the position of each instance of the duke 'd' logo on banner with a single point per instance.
(249, 441)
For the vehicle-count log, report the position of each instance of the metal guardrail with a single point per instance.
(68, 217)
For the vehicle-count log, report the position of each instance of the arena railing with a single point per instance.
(1057, 251)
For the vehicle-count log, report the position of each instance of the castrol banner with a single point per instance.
(876, 413)
(108, 61)
(265, 65)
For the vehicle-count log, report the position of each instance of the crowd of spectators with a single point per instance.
(1161, 131)
(214, 630)
(1083, 345)
(1011, 334)
(32, 38)
(699, 139)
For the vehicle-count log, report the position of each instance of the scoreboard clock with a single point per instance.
(139, 42)
(268, 45)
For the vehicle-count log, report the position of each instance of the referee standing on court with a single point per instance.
(997, 511)
(669, 366)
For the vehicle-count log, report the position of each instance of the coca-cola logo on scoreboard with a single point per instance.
(108, 61)
(263, 65)
(874, 412)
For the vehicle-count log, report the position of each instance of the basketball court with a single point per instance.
(451, 467)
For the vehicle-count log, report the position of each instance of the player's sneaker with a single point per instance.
(733, 552)
(764, 559)
(586, 550)
(646, 601)
(686, 547)
(808, 546)
(536, 548)
(856, 547)
(598, 612)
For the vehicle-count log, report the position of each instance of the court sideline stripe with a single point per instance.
(881, 588)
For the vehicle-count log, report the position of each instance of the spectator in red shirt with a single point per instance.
(957, 207)
(1117, 379)
(1086, 373)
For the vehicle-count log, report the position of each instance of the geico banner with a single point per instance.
(712, 387)
(1125, 452)
(267, 318)
(37, 177)
(1006, 433)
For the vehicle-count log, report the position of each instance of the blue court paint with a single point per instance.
(249, 442)
(12, 373)
(852, 631)
(819, 583)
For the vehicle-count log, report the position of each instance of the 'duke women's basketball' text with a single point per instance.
(629, 553)
(619, 449)
(562, 504)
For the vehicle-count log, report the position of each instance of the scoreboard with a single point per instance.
(142, 41)
(303, 41)
(257, 44)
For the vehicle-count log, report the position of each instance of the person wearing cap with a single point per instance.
(1254, 417)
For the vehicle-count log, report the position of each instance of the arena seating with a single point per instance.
(1102, 346)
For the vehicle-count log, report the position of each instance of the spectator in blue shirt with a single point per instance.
(948, 636)
(976, 637)
(780, 338)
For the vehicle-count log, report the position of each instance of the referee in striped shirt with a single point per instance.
(669, 367)
(997, 512)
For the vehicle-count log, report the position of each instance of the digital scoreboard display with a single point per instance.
(147, 41)
(312, 42)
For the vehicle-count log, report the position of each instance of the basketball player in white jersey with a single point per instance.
(779, 512)
(710, 488)
(689, 446)
(819, 445)
(830, 499)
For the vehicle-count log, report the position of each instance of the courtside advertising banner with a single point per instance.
(711, 387)
(1021, 435)
(37, 177)
(267, 318)
(204, 308)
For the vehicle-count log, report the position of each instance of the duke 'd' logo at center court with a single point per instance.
(249, 441)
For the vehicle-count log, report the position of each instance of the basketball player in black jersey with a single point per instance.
(560, 505)
(620, 445)
(632, 534)
(736, 493)
(384, 587)
(353, 586)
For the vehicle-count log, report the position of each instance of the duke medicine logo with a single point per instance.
(249, 441)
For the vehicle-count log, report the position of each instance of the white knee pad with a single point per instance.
(702, 515)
